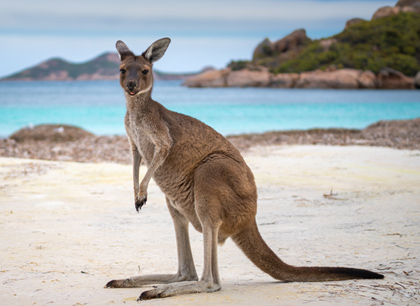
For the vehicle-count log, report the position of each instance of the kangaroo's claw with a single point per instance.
(140, 202)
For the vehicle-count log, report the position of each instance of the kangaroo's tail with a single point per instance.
(251, 243)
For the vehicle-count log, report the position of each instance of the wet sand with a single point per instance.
(68, 228)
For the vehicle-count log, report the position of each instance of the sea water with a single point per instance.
(99, 106)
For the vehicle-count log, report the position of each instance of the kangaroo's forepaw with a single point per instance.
(140, 202)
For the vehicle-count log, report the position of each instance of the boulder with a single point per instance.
(386, 11)
(229, 78)
(367, 79)
(290, 42)
(248, 78)
(264, 49)
(405, 6)
(284, 80)
(212, 78)
(389, 78)
(339, 79)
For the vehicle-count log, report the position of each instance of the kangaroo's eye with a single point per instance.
(122, 71)
(145, 71)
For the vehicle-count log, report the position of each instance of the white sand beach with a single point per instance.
(67, 228)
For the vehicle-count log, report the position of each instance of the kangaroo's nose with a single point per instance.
(131, 85)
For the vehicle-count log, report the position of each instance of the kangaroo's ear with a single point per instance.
(157, 50)
(123, 50)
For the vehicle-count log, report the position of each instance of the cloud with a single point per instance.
(183, 15)
(211, 32)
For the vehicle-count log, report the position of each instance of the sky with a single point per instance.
(203, 33)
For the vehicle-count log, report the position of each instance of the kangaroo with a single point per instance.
(206, 183)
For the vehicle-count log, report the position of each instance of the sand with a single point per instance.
(68, 228)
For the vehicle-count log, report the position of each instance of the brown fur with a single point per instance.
(206, 183)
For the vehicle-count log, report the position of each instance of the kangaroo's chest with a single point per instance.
(136, 130)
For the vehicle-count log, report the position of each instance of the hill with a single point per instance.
(383, 53)
(391, 39)
(103, 67)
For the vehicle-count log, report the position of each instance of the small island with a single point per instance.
(103, 67)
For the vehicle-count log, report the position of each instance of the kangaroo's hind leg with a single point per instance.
(207, 204)
(209, 281)
(186, 269)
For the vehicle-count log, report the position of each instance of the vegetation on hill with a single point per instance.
(103, 67)
(106, 64)
(392, 41)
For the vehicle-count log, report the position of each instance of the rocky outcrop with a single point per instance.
(290, 42)
(333, 78)
(248, 78)
(404, 3)
(353, 21)
(284, 80)
(386, 11)
(211, 78)
(280, 49)
(338, 79)
(264, 48)
(402, 6)
(392, 79)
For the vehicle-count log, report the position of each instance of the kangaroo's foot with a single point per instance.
(178, 289)
(139, 281)
(120, 283)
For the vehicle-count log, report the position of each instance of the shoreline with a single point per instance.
(68, 143)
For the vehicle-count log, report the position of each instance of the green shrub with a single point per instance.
(368, 45)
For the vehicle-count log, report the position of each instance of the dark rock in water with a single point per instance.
(50, 132)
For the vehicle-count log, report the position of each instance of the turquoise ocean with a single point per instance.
(99, 106)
